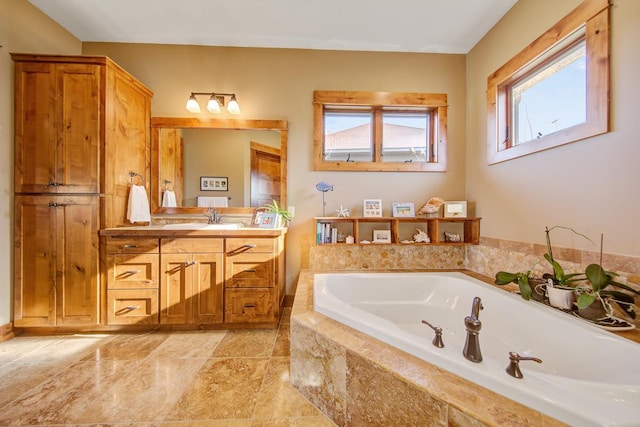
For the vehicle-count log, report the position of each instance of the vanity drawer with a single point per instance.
(253, 270)
(132, 271)
(119, 245)
(235, 246)
(191, 245)
(132, 307)
(250, 306)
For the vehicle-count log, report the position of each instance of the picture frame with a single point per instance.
(372, 208)
(455, 209)
(403, 210)
(257, 214)
(381, 236)
(268, 220)
(214, 183)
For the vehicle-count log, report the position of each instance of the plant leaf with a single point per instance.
(596, 276)
(585, 300)
(525, 288)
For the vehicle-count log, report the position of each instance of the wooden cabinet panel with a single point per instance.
(253, 270)
(132, 307)
(56, 261)
(57, 128)
(192, 245)
(250, 305)
(129, 245)
(132, 271)
(249, 245)
(208, 287)
(192, 280)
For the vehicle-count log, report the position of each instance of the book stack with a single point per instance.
(326, 234)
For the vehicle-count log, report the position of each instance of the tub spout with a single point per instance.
(471, 349)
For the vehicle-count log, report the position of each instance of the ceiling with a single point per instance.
(438, 26)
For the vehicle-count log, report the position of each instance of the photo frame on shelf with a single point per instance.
(403, 210)
(257, 214)
(455, 209)
(268, 220)
(381, 236)
(372, 208)
(214, 183)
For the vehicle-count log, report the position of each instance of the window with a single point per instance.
(555, 91)
(379, 131)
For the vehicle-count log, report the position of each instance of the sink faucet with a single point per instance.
(472, 345)
(212, 214)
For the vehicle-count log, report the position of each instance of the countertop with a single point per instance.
(162, 231)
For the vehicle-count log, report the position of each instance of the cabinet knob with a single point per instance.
(188, 263)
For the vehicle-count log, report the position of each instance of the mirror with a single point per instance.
(221, 158)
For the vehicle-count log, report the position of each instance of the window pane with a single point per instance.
(552, 98)
(348, 136)
(405, 137)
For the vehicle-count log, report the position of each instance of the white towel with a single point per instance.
(138, 209)
(213, 202)
(169, 199)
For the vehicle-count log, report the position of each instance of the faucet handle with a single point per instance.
(437, 340)
(514, 364)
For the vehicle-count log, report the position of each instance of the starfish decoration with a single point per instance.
(342, 212)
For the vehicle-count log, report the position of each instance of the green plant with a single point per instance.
(521, 279)
(559, 277)
(274, 208)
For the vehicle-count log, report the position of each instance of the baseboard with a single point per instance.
(6, 332)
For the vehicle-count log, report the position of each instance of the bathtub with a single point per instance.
(588, 376)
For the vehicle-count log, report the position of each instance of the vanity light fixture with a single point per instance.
(216, 101)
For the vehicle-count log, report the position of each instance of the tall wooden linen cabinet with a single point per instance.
(82, 125)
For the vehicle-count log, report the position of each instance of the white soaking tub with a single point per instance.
(588, 376)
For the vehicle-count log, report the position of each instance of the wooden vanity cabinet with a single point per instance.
(132, 281)
(254, 282)
(191, 284)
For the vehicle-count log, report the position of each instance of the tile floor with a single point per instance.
(233, 378)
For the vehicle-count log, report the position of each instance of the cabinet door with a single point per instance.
(58, 116)
(208, 288)
(176, 278)
(77, 260)
(56, 260)
(80, 115)
(35, 130)
(34, 268)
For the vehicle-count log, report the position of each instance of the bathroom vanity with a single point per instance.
(192, 275)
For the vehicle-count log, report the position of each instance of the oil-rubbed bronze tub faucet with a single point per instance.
(471, 349)
(514, 364)
(437, 340)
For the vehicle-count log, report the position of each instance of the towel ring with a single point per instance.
(134, 175)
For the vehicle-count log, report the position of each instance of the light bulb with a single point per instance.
(213, 106)
(192, 104)
(233, 106)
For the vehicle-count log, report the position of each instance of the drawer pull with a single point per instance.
(127, 309)
(128, 246)
(131, 272)
(241, 249)
(250, 270)
(249, 307)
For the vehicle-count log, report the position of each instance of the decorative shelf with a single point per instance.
(467, 227)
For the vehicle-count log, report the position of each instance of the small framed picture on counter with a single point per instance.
(403, 210)
(372, 208)
(455, 209)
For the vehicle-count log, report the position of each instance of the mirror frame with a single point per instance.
(158, 123)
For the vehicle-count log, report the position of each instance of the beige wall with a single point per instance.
(24, 29)
(279, 84)
(590, 185)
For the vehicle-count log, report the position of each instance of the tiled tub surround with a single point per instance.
(358, 380)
